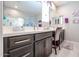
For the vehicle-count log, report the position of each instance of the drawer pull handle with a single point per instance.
(27, 54)
(22, 41)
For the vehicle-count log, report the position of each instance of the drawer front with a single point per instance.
(42, 35)
(20, 41)
(28, 54)
(22, 51)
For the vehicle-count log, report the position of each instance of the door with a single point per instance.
(39, 48)
(48, 46)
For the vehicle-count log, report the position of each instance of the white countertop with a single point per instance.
(9, 32)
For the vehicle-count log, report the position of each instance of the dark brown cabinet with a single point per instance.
(18, 46)
(43, 35)
(24, 50)
(62, 35)
(33, 45)
(19, 41)
(43, 48)
(48, 46)
(39, 48)
(43, 44)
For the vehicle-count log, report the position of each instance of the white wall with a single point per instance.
(72, 30)
(1, 41)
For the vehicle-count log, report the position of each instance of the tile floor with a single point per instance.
(68, 49)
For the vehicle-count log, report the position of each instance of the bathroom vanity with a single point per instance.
(28, 44)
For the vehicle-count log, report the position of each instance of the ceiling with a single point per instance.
(31, 7)
(60, 3)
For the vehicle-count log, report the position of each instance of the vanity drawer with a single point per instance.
(22, 51)
(42, 35)
(20, 41)
(28, 54)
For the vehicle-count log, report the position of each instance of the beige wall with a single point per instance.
(72, 30)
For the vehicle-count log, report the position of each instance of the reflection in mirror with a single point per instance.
(57, 21)
(22, 13)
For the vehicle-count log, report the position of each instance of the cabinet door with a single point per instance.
(48, 46)
(62, 36)
(39, 48)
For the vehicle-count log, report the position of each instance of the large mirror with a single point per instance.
(28, 14)
(22, 13)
